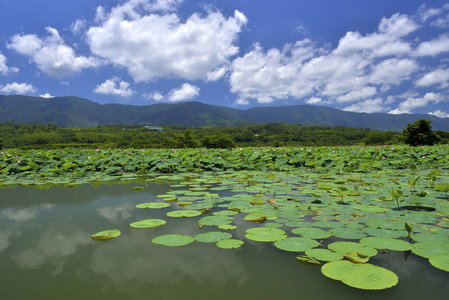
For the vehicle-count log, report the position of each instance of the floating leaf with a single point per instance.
(440, 261)
(312, 233)
(230, 244)
(215, 220)
(348, 234)
(149, 223)
(212, 236)
(265, 234)
(386, 243)
(305, 259)
(296, 244)
(428, 250)
(256, 217)
(361, 276)
(345, 247)
(138, 188)
(173, 240)
(356, 257)
(106, 235)
(324, 254)
(153, 205)
(183, 213)
(227, 227)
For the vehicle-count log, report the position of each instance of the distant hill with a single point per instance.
(79, 112)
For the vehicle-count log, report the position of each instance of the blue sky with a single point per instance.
(361, 56)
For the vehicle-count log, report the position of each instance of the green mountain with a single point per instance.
(79, 112)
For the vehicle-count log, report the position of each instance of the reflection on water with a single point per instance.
(46, 253)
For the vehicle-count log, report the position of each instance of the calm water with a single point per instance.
(46, 253)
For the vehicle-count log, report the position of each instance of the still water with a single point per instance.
(46, 253)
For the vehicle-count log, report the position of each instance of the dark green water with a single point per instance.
(46, 253)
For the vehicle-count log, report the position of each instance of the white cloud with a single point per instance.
(434, 47)
(393, 71)
(216, 74)
(77, 26)
(46, 95)
(356, 95)
(157, 96)
(17, 88)
(51, 55)
(440, 76)
(426, 13)
(368, 106)
(314, 100)
(184, 92)
(439, 114)
(4, 69)
(150, 45)
(114, 86)
(410, 104)
(441, 22)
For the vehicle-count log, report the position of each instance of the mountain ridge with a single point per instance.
(72, 111)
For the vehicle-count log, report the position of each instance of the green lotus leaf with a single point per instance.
(296, 244)
(430, 238)
(325, 187)
(370, 208)
(345, 247)
(227, 227)
(215, 220)
(440, 261)
(428, 250)
(307, 260)
(106, 235)
(226, 213)
(385, 224)
(138, 188)
(324, 254)
(212, 236)
(386, 243)
(273, 225)
(183, 213)
(348, 234)
(230, 244)
(312, 233)
(394, 234)
(153, 205)
(356, 257)
(361, 276)
(324, 224)
(149, 223)
(173, 240)
(256, 217)
(265, 234)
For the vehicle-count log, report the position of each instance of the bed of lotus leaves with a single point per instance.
(371, 200)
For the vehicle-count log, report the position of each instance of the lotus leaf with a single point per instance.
(138, 188)
(183, 213)
(212, 236)
(265, 234)
(348, 234)
(440, 261)
(227, 227)
(361, 276)
(428, 250)
(230, 244)
(308, 260)
(356, 257)
(215, 220)
(153, 205)
(149, 223)
(256, 217)
(106, 235)
(430, 238)
(324, 254)
(345, 247)
(173, 240)
(312, 233)
(296, 244)
(386, 243)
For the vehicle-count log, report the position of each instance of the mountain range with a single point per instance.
(79, 112)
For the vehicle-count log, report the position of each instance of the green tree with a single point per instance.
(1, 144)
(420, 133)
(218, 140)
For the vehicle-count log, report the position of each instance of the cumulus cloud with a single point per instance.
(184, 92)
(17, 88)
(4, 69)
(434, 47)
(411, 103)
(51, 55)
(368, 106)
(151, 45)
(77, 26)
(114, 86)
(46, 95)
(439, 114)
(439, 76)
(358, 68)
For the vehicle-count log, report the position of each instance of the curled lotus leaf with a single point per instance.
(230, 244)
(105, 235)
(296, 244)
(138, 188)
(307, 260)
(212, 236)
(149, 223)
(356, 257)
(361, 276)
(173, 240)
(153, 205)
(256, 217)
(183, 213)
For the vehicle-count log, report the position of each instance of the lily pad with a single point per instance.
(386, 243)
(428, 250)
(153, 205)
(173, 240)
(183, 213)
(440, 261)
(230, 244)
(345, 247)
(356, 257)
(312, 233)
(265, 234)
(149, 223)
(296, 244)
(227, 227)
(361, 276)
(212, 236)
(215, 220)
(324, 254)
(106, 235)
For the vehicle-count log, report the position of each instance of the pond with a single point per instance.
(46, 252)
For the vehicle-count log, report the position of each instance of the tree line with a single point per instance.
(50, 136)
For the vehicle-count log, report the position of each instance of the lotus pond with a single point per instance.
(346, 222)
